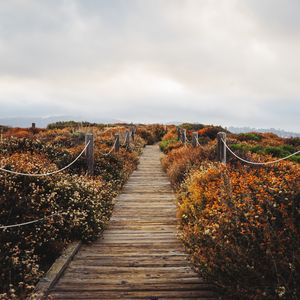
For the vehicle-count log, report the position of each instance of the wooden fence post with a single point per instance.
(179, 133)
(117, 142)
(221, 149)
(183, 136)
(127, 139)
(195, 139)
(132, 131)
(89, 153)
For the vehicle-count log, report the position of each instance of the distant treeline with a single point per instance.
(3, 128)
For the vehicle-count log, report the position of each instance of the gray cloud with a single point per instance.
(225, 62)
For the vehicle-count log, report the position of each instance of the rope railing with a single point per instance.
(258, 163)
(29, 222)
(222, 147)
(125, 137)
(49, 173)
(111, 149)
(89, 153)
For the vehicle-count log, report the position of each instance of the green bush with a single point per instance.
(276, 151)
(251, 136)
(240, 147)
(279, 151)
(294, 141)
(295, 158)
(192, 126)
(164, 145)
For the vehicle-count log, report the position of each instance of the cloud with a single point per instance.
(225, 62)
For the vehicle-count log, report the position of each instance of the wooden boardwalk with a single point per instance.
(139, 256)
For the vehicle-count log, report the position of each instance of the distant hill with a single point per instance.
(279, 132)
(42, 122)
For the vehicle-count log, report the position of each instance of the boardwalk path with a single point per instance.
(139, 256)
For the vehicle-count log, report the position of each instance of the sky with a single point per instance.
(223, 62)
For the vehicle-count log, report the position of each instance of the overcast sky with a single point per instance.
(230, 62)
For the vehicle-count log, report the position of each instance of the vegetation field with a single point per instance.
(71, 204)
(239, 222)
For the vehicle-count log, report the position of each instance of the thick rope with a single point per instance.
(50, 173)
(111, 150)
(127, 136)
(258, 163)
(27, 223)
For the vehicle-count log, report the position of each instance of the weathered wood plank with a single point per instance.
(54, 273)
(199, 294)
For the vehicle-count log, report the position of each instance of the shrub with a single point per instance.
(279, 151)
(251, 136)
(151, 133)
(171, 134)
(294, 141)
(270, 152)
(179, 162)
(166, 145)
(241, 228)
(192, 127)
(211, 131)
(18, 133)
(73, 124)
(84, 206)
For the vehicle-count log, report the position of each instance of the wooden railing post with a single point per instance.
(195, 139)
(132, 131)
(183, 136)
(117, 142)
(221, 149)
(179, 133)
(127, 139)
(89, 153)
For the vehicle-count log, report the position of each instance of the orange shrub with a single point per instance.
(241, 227)
(171, 134)
(151, 133)
(18, 132)
(211, 131)
(179, 161)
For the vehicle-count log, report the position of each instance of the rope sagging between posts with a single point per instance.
(111, 149)
(50, 173)
(88, 150)
(258, 163)
(29, 222)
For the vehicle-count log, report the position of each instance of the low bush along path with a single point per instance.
(139, 256)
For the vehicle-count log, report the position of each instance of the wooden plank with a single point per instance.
(132, 280)
(135, 294)
(99, 286)
(56, 270)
